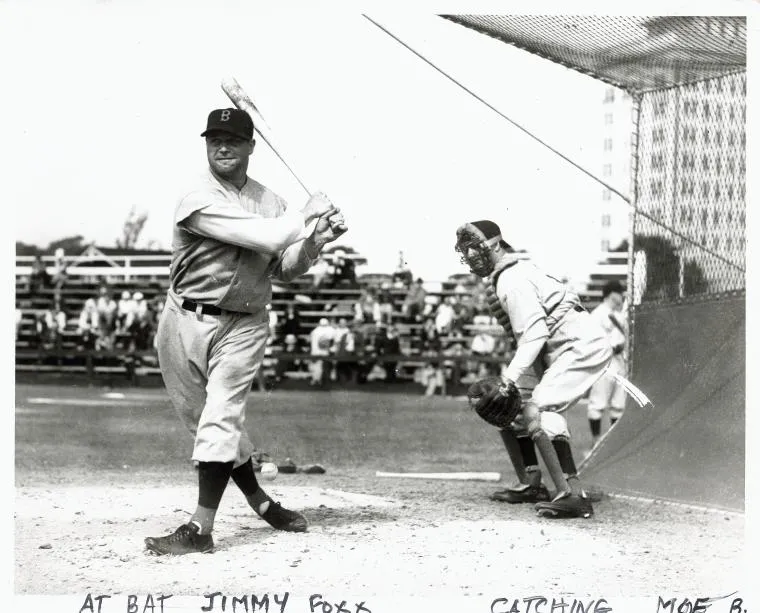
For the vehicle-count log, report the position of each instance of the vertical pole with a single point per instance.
(636, 117)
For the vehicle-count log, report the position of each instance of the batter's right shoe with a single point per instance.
(566, 505)
(284, 519)
(517, 495)
(185, 539)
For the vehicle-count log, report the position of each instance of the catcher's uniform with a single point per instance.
(575, 350)
(213, 330)
(607, 393)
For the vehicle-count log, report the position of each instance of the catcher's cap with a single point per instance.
(480, 231)
(232, 121)
(488, 228)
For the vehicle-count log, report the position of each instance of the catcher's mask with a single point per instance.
(475, 243)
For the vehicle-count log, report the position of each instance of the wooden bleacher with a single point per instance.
(149, 275)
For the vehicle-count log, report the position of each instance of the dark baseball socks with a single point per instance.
(245, 478)
(566, 461)
(212, 481)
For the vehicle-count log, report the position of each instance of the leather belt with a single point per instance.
(205, 309)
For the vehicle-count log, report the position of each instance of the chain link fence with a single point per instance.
(689, 183)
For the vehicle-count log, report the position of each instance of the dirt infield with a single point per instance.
(81, 532)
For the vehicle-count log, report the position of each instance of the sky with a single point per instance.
(108, 100)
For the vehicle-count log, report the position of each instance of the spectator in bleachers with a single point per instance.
(433, 378)
(124, 311)
(483, 345)
(140, 324)
(60, 276)
(320, 272)
(402, 276)
(39, 278)
(54, 325)
(106, 308)
(344, 349)
(431, 339)
(383, 309)
(387, 343)
(272, 322)
(321, 342)
(88, 325)
(19, 321)
(364, 309)
(291, 325)
(287, 364)
(414, 303)
(344, 271)
(444, 316)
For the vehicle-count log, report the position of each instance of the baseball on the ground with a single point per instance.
(269, 471)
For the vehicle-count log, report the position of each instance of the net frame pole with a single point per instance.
(630, 315)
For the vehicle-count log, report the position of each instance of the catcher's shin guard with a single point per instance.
(529, 487)
(512, 445)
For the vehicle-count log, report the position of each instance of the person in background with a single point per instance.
(344, 349)
(431, 339)
(320, 273)
(414, 303)
(106, 307)
(433, 378)
(344, 271)
(88, 325)
(54, 326)
(364, 308)
(383, 309)
(402, 276)
(124, 310)
(321, 340)
(39, 278)
(483, 345)
(444, 316)
(607, 395)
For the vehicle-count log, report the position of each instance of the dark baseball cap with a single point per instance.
(232, 121)
(491, 230)
(488, 228)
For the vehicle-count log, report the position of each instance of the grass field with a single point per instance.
(97, 472)
(78, 430)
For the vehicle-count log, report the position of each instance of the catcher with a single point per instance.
(560, 354)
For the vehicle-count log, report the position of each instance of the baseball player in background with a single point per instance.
(607, 394)
(231, 236)
(561, 352)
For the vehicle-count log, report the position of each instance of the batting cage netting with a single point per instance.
(686, 77)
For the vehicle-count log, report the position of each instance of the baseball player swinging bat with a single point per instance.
(242, 101)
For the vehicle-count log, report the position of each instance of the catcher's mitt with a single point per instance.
(494, 401)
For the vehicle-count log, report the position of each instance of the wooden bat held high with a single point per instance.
(243, 101)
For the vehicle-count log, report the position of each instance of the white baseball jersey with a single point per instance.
(561, 351)
(608, 393)
(228, 243)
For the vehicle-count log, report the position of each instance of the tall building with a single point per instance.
(692, 160)
(614, 213)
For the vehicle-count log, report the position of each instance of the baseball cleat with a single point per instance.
(281, 518)
(566, 505)
(185, 539)
(513, 495)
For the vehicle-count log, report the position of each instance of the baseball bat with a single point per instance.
(243, 101)
(463, 476)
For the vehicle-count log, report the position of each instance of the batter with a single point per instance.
(231, 236)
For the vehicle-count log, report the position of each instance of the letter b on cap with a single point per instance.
(225, 115)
